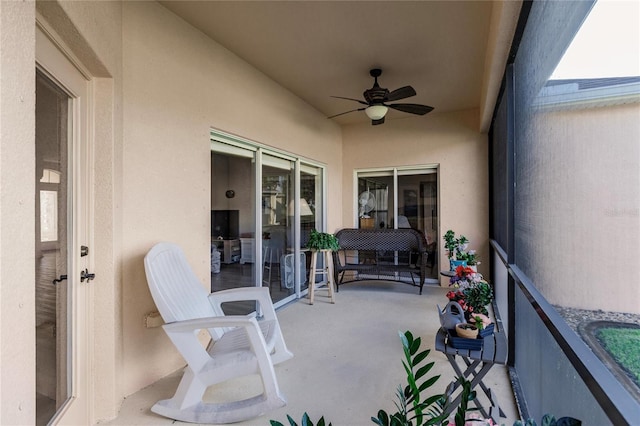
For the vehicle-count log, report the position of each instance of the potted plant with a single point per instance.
(322, 241)
(484, 324)
(478, 296)
(457, 251)
(471, 292)
(467, 330)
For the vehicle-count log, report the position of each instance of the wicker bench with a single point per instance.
(382, 254)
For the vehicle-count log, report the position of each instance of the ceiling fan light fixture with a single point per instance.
(376, 112)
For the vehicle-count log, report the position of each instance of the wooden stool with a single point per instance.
(327, 271)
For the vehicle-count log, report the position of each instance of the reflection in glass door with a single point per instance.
(402, 198)
(311, 217)
(233, 236)
(418, 209)
(52, 287)
(278, 209)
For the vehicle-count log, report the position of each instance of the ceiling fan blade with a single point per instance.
(401, 93)
(351, 99)
(412, 108)
(347, 112)
(376, 122)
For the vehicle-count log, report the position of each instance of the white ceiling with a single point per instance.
(319, 49)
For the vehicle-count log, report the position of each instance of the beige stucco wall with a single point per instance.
(587, 221)
(178, 84)
(17, 168)
(449, 140)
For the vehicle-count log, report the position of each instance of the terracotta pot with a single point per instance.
(466, 330)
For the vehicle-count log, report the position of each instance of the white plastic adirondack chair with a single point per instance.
(241, 345)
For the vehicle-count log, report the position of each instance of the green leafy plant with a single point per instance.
(306, 421)
(322, 241)
(450, 243)
(410, 404)
(457, 248)
(466, 396)
(478, 296)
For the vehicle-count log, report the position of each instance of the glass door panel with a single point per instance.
(278, 193)
(233, 223)
(311, 217)
(402, 198)
(418, 209)
(376, 201)
(52, 287)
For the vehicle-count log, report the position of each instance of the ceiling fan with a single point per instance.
(377, 97)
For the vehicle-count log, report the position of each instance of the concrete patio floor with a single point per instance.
(348, 359)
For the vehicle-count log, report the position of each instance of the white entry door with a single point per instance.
(63, 240)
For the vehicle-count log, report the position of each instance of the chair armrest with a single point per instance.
(212, 322)
(259, 294)
(241, 293)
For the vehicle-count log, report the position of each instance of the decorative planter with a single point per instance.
(487, 331)
(453, 264)
(463, 343)
(466, 330)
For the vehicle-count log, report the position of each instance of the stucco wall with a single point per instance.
(587, 218)
(17, 169)
(449, 140)
(177, 85)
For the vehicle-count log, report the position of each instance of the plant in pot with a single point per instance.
(471, 291)
(457, 251)
(477, 297)
(322, 241)
(467, 330)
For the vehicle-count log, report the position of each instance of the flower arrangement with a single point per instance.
(458, 248)
(472, 292)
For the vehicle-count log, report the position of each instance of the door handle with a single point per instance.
(59, 279)
(85, 275)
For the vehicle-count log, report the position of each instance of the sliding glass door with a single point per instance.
(264, 205)
(401, 198)
(277, 206)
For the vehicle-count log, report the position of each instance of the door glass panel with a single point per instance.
(414, 192)
(418, 209)
(233, 224)
(278, 271)
(375, 201)
(311, 217)
(52, 297)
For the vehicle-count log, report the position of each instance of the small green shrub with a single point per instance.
(410, 404)
(322, 241)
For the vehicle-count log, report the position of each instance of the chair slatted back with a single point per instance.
(176, 291)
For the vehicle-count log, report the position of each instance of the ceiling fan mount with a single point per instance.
(376, 100)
